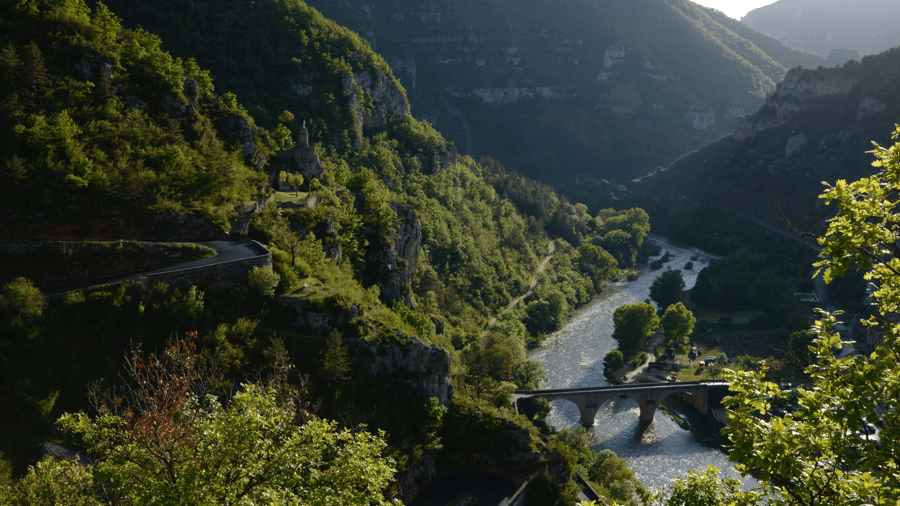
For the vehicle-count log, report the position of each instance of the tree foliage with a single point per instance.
(667, 288)
(613, 361)
(21, 302)
(123, 125)
(165, 440)
(707, 488)
(52, 483)
(677, 324)
(632, 323)
(831, 460)
(264, 280)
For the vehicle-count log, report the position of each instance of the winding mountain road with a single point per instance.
(530, 290)
(226, 251)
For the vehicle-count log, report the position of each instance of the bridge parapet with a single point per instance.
(648, 396)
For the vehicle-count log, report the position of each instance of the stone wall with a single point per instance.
(216, 276)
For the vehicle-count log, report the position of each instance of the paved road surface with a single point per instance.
(226, 251)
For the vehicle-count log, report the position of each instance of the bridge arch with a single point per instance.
(565, 405)
(699, 402)
(648, 397)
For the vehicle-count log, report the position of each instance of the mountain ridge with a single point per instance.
(570, 90)
(816, 126)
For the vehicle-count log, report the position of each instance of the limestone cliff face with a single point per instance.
(391, 260)
(402, 362)
(554, 88)
(383, 93)
(816, 126)
(408, 363)
(800, 89)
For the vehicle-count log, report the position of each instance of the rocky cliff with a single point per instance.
(816, 126)
(579, 87)
(407, 363)
(391, 260)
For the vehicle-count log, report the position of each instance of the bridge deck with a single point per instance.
(615, 388)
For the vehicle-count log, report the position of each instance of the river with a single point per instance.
(573, 357)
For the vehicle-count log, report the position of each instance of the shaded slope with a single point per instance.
(821, 26)
(580, 87)
(817, 126)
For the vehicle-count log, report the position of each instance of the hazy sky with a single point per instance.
(734, 8)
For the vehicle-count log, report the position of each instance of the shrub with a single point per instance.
(21, 302)
(263, 280)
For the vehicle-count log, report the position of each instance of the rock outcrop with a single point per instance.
(384, 94)
(318, 318)
(406, 363)
(301, 159)
(236, 128)
(816, 126)
(800, 89)
(833, 29)
(391, 260)
(59, 452)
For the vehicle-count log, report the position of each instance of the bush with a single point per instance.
(21, 302)
(263, 280)
(613, 361)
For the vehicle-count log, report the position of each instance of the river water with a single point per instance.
(573, 357)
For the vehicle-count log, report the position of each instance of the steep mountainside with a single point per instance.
(576, 88)
(816, 126)
(823, 26)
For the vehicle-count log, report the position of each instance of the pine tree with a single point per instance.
(335, 362)
(34, 74)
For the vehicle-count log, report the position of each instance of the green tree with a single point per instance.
(335, 359)
(264, 280)
(163, 441)
(52, 483)
(596, 259)
(831, 462)
(667, 289)
(632, 323)
(292, 179)
(282, 135)
(706, 488)
(21, 302)
(677, 324)
(613, 361)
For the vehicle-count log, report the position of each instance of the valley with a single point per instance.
(296, 252)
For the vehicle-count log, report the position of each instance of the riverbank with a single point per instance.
(573, 358)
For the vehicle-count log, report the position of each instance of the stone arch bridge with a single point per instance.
(701, 394)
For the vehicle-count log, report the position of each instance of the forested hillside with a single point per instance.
(100, 121)
(96, 118)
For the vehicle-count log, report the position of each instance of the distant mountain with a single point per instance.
(604, 88)
(836, 29)
(817, 126)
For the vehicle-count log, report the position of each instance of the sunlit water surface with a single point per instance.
(573, 357)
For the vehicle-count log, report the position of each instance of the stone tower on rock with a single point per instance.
(301, 159)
